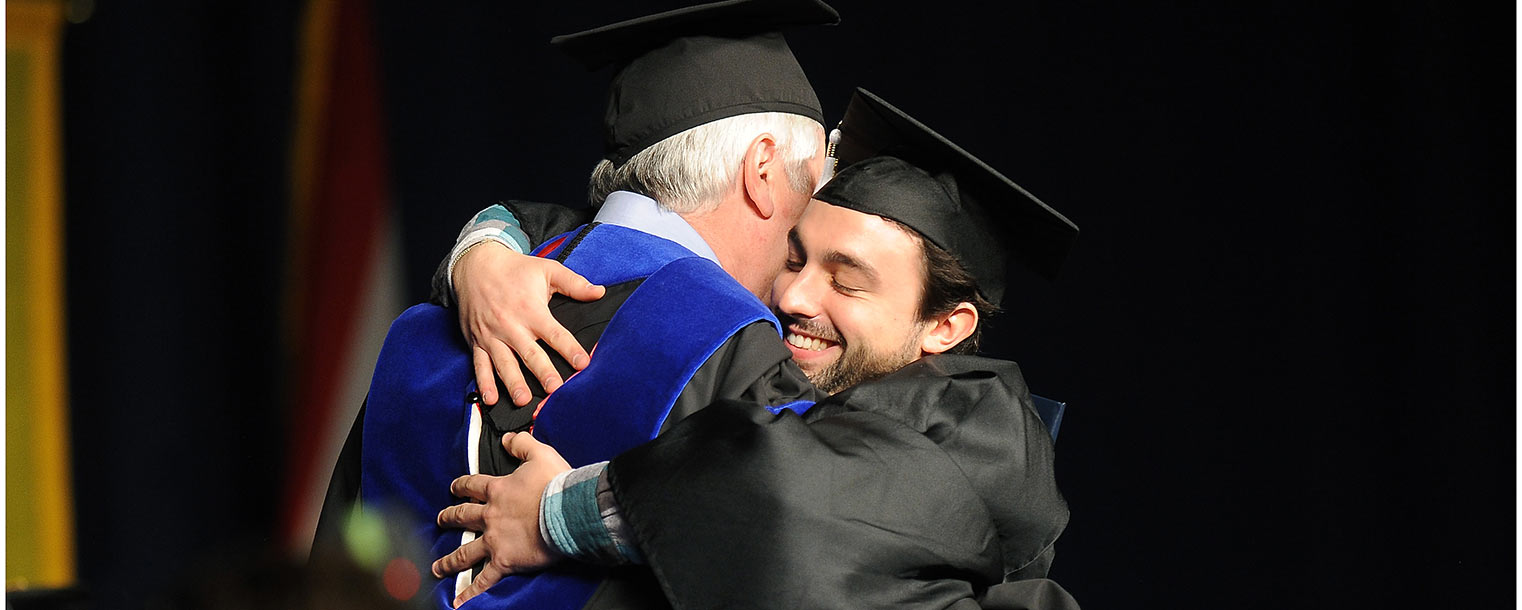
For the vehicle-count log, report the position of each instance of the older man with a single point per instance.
(714, 144)
(925, 481)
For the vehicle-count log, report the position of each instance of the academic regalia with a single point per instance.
(925, 487)
(884, 399)
(931, 487)
(896, 167)
(673, 334)
(421, 429)
(423, 424)
(539, 220)
(928, 487)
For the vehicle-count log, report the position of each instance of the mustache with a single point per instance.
(810, 327)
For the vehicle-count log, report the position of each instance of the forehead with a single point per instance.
(877, 242)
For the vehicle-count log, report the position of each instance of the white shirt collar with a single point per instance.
(641, 213)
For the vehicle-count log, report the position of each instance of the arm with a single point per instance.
(934, 471)
(852, 510)
(752, 365)
(929, 485)
(736, 504)
(518, 225)
(494, 224)
(579, 518)
(502, 296)
(542, 513)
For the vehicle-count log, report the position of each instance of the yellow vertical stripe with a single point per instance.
(39, 510)
(314, 69)
(314, 66)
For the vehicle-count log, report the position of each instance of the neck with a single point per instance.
(733, 239)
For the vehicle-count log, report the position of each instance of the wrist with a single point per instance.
(462, 250)
(571, 522)
(552, 523)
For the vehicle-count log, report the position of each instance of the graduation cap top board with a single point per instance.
(896, 167)
(686, 67)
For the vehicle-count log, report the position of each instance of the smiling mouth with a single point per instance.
(804, 342)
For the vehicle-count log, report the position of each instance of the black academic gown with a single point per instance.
(752, 365)
(862, 503)
(925, 489)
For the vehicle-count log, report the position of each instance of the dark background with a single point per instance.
(1287, 333)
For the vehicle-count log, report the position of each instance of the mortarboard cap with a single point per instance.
(896, 167)
(686, 67)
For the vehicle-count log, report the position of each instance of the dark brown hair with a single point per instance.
(947, 283)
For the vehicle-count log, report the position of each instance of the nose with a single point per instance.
(799, 293)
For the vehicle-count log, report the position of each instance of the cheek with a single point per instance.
(886, 327)
(776, 258)
(854, 320)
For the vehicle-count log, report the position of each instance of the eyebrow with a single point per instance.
(841, 258)
(835, 257)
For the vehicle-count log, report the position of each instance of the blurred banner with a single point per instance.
(344, 262)
(39, 511)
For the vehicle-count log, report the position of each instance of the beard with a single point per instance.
(859, 361)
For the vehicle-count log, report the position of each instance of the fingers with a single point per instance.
(520, 444)
(507, 369)
(489, 576)
(463, 516)
(536, 360)
(563, 342)
(569, 283)
(486, 380)
(547, 461)
(461, 559)
(471, 486)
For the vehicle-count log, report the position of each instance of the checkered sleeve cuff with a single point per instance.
(579, 517)
(496, 224)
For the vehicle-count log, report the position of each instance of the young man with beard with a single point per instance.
(925, 480)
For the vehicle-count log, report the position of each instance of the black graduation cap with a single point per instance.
(896, 167)
(694, 65)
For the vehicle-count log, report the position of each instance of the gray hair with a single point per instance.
(690, 171)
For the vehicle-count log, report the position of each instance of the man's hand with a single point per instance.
(503, 298)
(508, 521)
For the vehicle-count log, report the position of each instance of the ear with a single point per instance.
(762, 166)
(949, 330)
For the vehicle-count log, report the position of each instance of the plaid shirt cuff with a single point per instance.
(496, 224)
(579, 518)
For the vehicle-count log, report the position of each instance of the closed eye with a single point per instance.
(844, 289)
(795, 259)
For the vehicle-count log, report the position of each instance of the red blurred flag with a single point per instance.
(343, 289)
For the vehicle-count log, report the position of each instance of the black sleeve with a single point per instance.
(439, 292)
(540, 221)
(736, 508)
(343, 492)
(980, 413)
(925, 488)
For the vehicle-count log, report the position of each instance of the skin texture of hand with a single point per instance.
(508, 520)
(504, 299)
